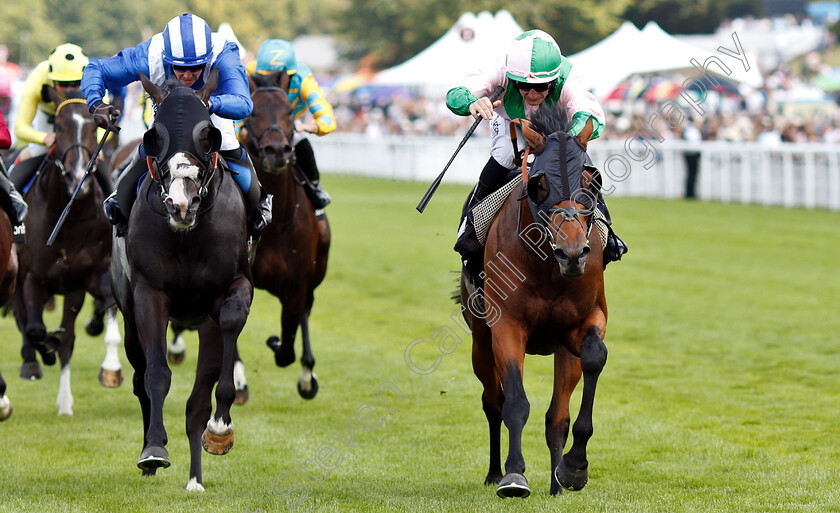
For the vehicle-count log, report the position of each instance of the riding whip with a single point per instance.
(88, 170)
(432, 188)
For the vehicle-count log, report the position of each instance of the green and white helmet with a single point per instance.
(534, 57)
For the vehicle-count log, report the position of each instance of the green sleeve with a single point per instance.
(459, 99)
(579, 121)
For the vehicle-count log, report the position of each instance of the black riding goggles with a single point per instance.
(74, 84)
(194, 69)
(525, 86)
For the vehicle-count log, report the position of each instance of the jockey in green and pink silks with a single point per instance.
(533, 71)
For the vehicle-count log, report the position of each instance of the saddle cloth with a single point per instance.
(486, 210)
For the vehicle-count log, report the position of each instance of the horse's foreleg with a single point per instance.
(29, 301)
(199, 405)
(137, 360)
(509, 340)
(557, 420)
(284, 352)
(492, 398)
(110, 373)
(72, 305)
(30, 369)
(232, 315)
(572, 471)
(307, 382)
(151, 314)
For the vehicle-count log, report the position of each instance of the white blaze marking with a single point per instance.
(181, 169)
(79, 120)
(112, 343)
(64, 401)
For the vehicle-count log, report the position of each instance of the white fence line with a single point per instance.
(790, 175)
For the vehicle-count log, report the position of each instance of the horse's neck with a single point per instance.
(283, 188)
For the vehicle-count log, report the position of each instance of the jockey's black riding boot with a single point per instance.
(492, 177)
(13, 203)
(615, 246)
(306, 160)
(257, 203)
(103, 178)
(127, 188)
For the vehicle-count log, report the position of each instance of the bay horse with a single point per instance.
(184, 257)
(78, 261)
(543, 293)
(291, 259)
(8, 273)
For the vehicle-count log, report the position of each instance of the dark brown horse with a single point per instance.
(76, 264)
(184, 257)
(8, 273)
(543, 293)
(291, 259)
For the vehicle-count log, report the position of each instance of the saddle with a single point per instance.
(484, 212)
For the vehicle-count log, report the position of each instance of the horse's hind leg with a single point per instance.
(110, 373)
(239, 381)
(572, 471)
(492, 398)
(72, 305)
(5, 404)
(307, 382)
(177, 348)
(566, 376)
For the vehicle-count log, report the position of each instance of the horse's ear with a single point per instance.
(154, 91)
(48, 95)
(591, 179)
(210, 139)
(209, 86)
(534, 138)
(283, 81)
(155, 142)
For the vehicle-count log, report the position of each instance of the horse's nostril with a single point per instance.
(559, 254)
(287, 149)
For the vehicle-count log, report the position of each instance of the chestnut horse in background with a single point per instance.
(543, 293)
(291, 259)
(8, 274)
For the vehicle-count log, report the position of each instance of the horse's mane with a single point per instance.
(548, 119)
(171, 83)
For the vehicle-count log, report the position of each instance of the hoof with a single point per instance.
(571, 478)
(308, 392)
(282, 357)
(175, 358)
(49, 346)
(195, 486)
(513, 485)
(31, 371)
(94, 327)
(152, 458)
(217, 444)
(110, 379)
(241, 396)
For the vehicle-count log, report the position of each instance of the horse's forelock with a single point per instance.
(180, 166)
(548, 119)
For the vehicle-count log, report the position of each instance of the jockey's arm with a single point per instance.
(5, 136)
(313, 97)
(113, 73)
(232, 99)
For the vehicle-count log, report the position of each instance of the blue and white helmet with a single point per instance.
(187, 41)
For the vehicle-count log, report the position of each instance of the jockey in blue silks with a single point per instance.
(188, 50)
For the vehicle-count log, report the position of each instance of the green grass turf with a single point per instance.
(720, 392)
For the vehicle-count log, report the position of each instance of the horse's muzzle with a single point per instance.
(572, 263)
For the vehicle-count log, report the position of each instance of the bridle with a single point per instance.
(258, 136)
(59, 161)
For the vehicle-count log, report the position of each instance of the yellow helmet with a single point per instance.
(66, 63)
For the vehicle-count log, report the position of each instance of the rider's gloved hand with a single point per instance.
(106, 116)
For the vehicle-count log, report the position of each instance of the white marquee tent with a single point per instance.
(630, 51)
(473, 40)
